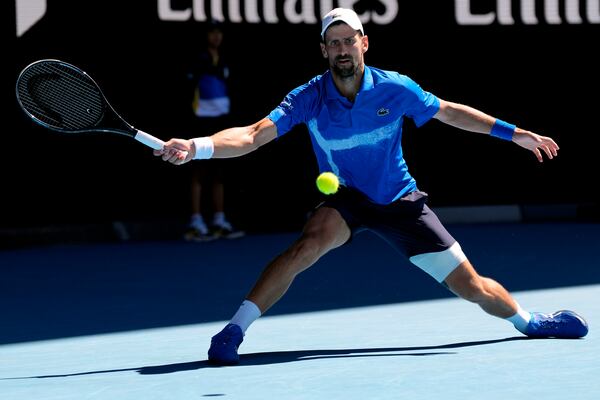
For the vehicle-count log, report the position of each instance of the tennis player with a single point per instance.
(354, 114)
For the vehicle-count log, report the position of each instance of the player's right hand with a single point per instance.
(177, 151)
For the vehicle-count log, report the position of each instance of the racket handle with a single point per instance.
(151, 141)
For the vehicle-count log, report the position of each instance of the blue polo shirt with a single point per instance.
(360, 141)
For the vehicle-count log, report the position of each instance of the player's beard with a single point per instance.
(344, 72)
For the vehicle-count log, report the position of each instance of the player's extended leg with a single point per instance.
(494, 299)
(324, 231)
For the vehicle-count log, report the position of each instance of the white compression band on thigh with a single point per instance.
(439, 264)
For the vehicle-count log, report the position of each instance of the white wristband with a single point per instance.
(205, 148)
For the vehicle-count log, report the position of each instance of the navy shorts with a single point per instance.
(407, 224)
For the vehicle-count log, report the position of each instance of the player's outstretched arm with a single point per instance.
(235, 142)
(232, 142)
(473, 120)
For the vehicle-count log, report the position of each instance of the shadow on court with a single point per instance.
(279, 357)
(65, 291)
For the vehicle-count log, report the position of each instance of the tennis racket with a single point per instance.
(63, 98)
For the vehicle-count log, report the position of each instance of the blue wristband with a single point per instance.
(503, 130)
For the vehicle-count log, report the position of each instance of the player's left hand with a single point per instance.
(536, 143)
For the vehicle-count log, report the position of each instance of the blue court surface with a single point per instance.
(133, 320)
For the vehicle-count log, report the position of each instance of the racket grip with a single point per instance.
(151, 141)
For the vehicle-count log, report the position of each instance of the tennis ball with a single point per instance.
(328, 183)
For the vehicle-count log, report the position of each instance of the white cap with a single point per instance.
(345, 15)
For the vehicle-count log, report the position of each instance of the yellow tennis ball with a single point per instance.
(328, 183)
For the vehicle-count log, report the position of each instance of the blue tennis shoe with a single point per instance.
(562, 324)
(224, 346)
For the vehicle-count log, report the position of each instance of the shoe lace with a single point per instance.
(550, 323)
(226, 337)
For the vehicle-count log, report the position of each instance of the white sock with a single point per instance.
(219, 218)
(196, 219)
(520, 319)
(245, 315)
(197, 222)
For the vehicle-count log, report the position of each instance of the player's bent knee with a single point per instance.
(328, 228)
(307, 249)
(317, 242)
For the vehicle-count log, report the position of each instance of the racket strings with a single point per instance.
(62, 97)
(69, 97)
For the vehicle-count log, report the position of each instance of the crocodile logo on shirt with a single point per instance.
(383, 112)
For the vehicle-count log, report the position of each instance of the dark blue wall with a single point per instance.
(542, 77)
